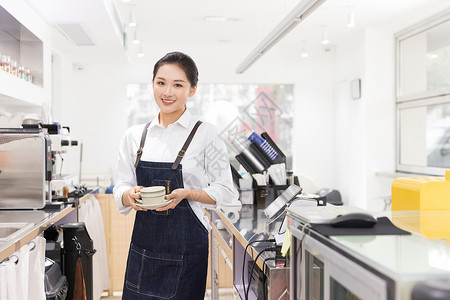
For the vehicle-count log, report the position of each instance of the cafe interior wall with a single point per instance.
(339, 142)
(95, 104)
(96, 108)
(364, 129)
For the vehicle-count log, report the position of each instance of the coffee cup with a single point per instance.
(151, 200)
(153, 191)
(152, 195)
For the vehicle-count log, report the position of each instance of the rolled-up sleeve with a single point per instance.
(125, 171)
(217, 166)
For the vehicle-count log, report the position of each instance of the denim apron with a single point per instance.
(168, 256)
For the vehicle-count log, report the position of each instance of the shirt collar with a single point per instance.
(184, 120)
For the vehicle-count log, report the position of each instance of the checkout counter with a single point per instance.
(240, 232)
(411, 260)
(369, 266)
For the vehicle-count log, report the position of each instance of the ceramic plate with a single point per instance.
(154, 206)
(158, 199)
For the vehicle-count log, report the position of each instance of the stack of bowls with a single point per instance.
(153, 195)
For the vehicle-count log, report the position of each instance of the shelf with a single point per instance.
(223, 244)
(18, 92)
(25, 38)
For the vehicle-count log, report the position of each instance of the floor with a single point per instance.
(224, 294)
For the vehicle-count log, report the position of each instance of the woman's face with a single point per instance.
(171, 89)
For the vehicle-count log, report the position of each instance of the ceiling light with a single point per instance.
(325, 40)
(215, 18)
(433, 56)
(132, 20)
(298, 14)
(140, 52)
(136, 40)
(351, 20)
(304, 53)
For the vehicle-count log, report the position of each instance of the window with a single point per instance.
(423, 97)
(237, 108)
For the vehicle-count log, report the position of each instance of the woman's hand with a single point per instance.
(176, 195)
(129, 197)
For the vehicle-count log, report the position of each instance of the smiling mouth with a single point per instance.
(166, 101)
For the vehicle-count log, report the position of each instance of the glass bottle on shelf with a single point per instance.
(28, 75)
(14, 71)
(6, 63)
(21, 72)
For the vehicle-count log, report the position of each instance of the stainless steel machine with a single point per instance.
(61, 142)
(25, 168)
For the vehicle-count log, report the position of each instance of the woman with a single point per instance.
(168, 254)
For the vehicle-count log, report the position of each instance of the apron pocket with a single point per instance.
(162, 213)
(153, 274)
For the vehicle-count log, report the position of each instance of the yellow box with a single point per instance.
(433, 224)
(421, 193)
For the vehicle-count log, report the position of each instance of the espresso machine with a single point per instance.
(25, 168)
(61, 143)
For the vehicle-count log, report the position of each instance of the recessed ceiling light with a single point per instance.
(140, 52)
(433, 56)
(351, 20)
(303, 52)
(215, 18)
(132, 20)
(325, 40)
(136, 39)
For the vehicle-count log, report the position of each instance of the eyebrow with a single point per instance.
(176, 80)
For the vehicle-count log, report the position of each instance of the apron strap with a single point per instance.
(180, 153)
(141, 146)
(185, 146)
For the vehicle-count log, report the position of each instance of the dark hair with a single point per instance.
(184, 61)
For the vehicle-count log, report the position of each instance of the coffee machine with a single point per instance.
(25, 168)
(61, 143)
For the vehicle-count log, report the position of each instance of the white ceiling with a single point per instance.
(173, 23)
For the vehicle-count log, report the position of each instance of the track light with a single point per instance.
(304, 53)
(215, 18)
(140, 52)
(300, 12)
(351, 20)
(132, 20)
(136, 40)
(325, 40)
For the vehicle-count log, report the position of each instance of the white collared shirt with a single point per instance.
(205, 164)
